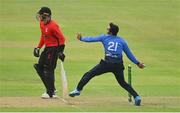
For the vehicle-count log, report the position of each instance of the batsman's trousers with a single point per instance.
(103, 67)
(46, 66)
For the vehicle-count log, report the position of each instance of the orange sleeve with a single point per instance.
(41, 42)
(59, 35)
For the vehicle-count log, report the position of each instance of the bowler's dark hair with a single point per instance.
(114, 29)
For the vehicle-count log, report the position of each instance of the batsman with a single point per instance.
(54, 41)
(114, 46)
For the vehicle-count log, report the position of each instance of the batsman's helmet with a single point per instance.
(44, 11)
(114, 29)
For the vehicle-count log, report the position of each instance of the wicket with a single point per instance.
(129, 81)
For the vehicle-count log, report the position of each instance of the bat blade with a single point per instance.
(64, 81)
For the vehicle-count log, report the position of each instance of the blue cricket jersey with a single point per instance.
(113, 46)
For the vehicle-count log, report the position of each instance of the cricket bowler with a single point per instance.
(113, 62)
(54, 41)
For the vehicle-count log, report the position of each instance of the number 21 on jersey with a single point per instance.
(112, 46)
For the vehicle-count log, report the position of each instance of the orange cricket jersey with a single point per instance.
(51, 35)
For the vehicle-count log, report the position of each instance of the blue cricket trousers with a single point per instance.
(104, 67)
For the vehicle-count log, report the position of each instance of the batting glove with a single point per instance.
(36, 52)
(61, 56)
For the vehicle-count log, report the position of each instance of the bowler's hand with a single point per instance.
(141, 65)
(36, 52)
(79, 36)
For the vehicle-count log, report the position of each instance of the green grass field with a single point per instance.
(151, 28)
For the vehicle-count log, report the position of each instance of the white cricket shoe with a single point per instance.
(46, 96)
(55, 92)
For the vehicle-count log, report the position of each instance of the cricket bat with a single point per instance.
(64, 82)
